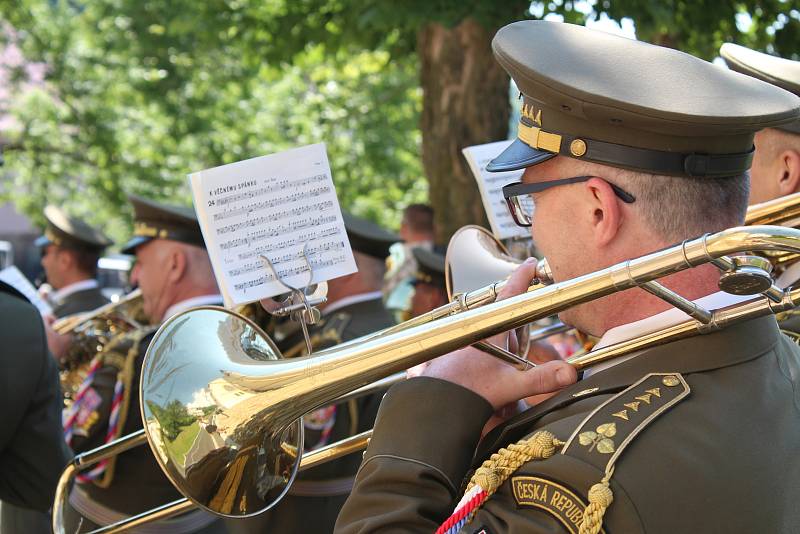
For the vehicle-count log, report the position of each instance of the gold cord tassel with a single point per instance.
(600, 498)
(500, 465)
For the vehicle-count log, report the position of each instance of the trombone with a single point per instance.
(254, 399)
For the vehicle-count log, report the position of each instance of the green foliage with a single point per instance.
(698, 27)
(139, 94)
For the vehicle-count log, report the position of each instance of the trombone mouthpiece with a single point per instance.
(543, 272)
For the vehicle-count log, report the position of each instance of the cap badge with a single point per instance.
(577, 147)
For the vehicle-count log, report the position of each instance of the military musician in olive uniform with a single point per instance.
(776, 165)
(174, 273)
(70, 250)
(429, 284)
(32, 448)
(627, 148)
(354, 309)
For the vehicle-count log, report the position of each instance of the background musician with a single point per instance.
(354, 309)
(70, 250)
(622, 158)
(174, 273)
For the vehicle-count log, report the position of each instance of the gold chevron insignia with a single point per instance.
(633, 406)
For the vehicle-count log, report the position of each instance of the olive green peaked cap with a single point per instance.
(784, 73)
(155, 220)
(70, 232)
(431, 266)
(367, 237)
(599, 97)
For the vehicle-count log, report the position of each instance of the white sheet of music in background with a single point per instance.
(272, 206)
(491, 185)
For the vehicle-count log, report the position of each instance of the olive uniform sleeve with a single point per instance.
(412, 471)
(33, 452)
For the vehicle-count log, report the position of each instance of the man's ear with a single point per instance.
(789, 165)
(177, 263)
(66, 259)
(606, 216)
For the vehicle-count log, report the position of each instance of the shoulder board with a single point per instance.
(612, 426)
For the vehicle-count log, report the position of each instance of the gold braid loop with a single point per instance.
(600, 498)
(500, 465)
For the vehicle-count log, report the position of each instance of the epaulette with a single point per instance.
(605, 433)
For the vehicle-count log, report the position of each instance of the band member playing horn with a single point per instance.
(174, 273)
(627, 148)
(354, 309)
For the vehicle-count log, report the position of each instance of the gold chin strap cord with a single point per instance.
(540, 446)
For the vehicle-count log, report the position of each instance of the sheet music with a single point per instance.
(275, 206)
(491, 188)
(14, 277)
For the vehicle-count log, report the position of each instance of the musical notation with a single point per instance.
(282, 207)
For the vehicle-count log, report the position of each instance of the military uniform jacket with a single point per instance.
(80, 301)
(32, 448)
(707, 442)
(133, 481)
(316, 497)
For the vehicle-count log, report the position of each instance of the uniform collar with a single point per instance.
(59, 296)
(735, 344)
(350, 300)
(183, 305)
(654, 323)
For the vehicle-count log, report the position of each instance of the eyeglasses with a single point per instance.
(520, 202)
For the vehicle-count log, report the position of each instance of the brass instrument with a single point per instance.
(92, 332)
(783, 211)
(254, 398)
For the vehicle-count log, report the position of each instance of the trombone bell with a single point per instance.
(205, 429)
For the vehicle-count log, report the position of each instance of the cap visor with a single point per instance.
(518, 156)
(136, 241)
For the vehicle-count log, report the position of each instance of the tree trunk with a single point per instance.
(465, 102)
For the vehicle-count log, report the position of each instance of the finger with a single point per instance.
(541, 352)
(545, 378)
(520, 279)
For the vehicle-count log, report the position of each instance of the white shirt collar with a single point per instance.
(191, 303)
(64, 292)
(651, 324)
(351, 299)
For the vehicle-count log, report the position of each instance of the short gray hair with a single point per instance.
(679, 207)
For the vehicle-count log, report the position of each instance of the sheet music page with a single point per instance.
(14, 277)
(491, 188)
(276, 206)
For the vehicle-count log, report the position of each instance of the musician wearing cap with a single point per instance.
(776, 165)
(354, 308)
(174, 273)
(428, 281)
(627, 148)
(70, 250)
